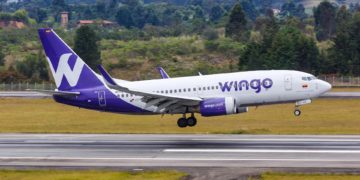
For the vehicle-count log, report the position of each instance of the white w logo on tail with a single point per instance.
(64, 69)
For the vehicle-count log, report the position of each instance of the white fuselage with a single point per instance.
(287, 86)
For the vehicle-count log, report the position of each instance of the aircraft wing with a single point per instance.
(163, 102)
(56, 92)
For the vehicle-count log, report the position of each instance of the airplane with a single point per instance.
(209, 95)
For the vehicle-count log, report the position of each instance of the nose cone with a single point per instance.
(324, 86)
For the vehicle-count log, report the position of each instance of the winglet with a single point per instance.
(106, 76)
(162, 72)
(200, 74)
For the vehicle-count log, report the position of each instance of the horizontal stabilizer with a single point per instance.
(51, 92)
(110, 81)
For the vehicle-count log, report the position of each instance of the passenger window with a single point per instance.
(212, 87)
(217, 87)
(204, 88)
(208, 87)
(194, 89)
(184, 90)
(175, 91)
(199, 88)
(166, 91)
(162, 92)
(189, 89)
(179, 90)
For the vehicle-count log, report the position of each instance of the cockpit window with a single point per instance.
(308, 78)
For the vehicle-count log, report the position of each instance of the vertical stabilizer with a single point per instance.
(68, 69)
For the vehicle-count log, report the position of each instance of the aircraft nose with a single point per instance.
(325, 86)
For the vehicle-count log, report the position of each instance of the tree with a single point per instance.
(343, 16)
(124, 18)
(2, 56)
(34, 67)
(289, 49)
(249, 9)
(216, 13)
(252, 57)
(345, 54)
(2, 4)
(59, 3)
(289, 9)
(236, 26)
(86, 46)
(41, 15)
(21, 15)
(325, 24)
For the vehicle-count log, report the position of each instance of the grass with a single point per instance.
(286, 176)
(86, 174)
(323, 116)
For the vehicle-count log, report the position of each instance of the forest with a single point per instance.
(185, 37)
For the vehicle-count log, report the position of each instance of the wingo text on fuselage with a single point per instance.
(255, 84)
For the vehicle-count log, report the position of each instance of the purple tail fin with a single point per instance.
(162, 72)
(69, 71)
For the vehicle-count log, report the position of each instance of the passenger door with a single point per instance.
(288, 82)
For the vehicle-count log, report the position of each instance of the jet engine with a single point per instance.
(220, 106)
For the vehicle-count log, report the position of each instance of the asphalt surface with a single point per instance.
(246, 151)
(29, 94)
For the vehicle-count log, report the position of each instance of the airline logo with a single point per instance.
(255, 84)
(64, 70)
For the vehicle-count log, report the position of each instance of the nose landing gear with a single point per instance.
(297, 111)
(183, 122)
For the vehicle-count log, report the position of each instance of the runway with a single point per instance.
(99, 150)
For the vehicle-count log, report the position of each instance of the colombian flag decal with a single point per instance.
(305, 86)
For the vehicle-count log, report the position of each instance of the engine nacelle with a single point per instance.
(217, 106)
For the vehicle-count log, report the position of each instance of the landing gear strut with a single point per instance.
(183, 122)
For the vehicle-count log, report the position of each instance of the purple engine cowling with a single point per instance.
(218, 106)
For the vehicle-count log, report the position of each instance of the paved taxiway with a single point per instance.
(98, 150)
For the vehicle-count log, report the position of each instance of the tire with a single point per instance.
(182, 122)
(297, 112)
(191, 121)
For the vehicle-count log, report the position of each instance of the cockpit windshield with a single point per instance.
(308, 78)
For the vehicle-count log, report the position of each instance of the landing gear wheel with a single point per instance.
(297, 112)
(182, 122)
(191, 121)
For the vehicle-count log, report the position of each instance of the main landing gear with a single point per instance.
(190, 121)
